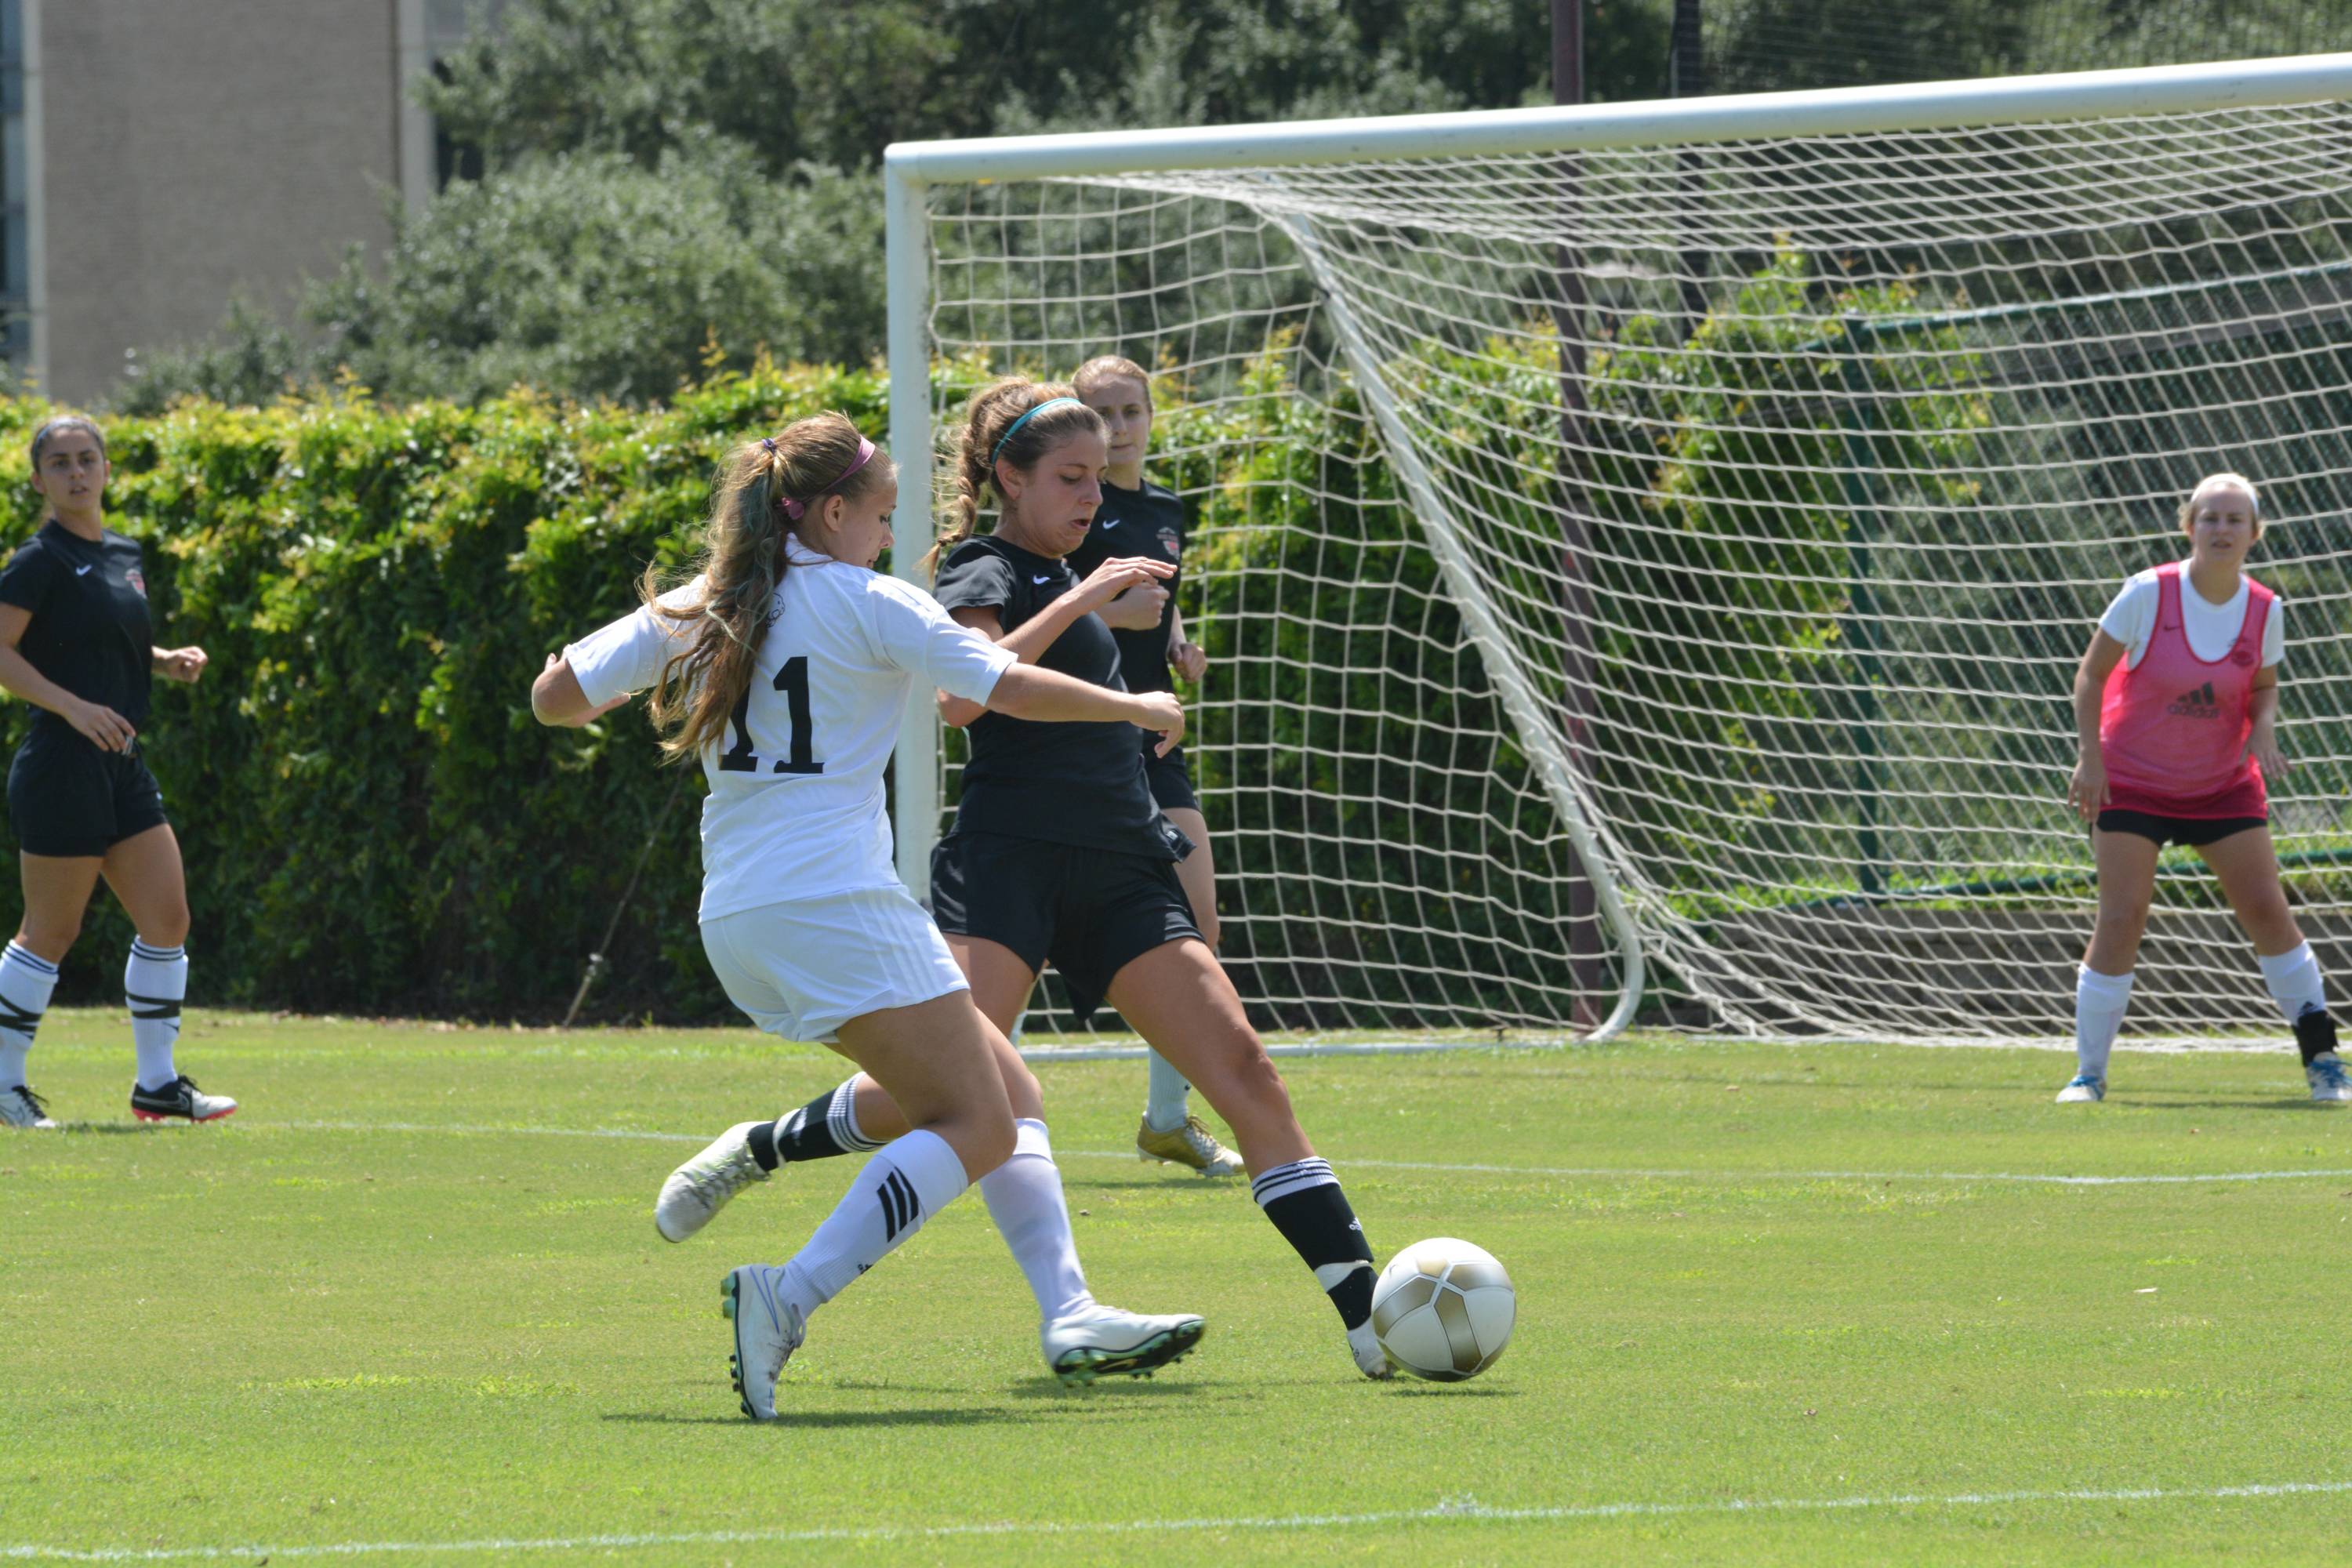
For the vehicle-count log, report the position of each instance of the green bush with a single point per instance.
(371, 819)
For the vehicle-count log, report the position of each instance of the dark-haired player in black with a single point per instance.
(1140, 519)
(77, 642)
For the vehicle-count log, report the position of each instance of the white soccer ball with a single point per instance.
(1443, 1310)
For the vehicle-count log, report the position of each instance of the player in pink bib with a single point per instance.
(2176, 706)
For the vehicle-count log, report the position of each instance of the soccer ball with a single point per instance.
(1442, 1310)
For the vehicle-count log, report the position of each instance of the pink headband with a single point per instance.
(796, 509)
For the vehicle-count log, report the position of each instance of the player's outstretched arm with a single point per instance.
(556, 697)
(1026, 692)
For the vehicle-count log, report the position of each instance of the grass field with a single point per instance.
(1776, 1305)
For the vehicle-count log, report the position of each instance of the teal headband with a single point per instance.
(1049, 403)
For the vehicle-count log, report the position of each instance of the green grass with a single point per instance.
(319, 1324)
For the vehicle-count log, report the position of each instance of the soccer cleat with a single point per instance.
(768, 1330)
(1192, 1146)
(2325, 1073)
(700, 1188)
(1371, 1360)
(2082, 1088)
(20, 1107)
(1103, 1341)
(179, 1101)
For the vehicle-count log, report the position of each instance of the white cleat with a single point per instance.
(701, 1187)
(20, 1107)
(1103, 1341)
(2325, 1073)
(1371, 1360)
(767, 1329)
(2083, 1090)
(1192, 1146)
(179, 1101)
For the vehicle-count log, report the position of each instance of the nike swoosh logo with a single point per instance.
(1041, 579)
(81, 571)
(1114, 522)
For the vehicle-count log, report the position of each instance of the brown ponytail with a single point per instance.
(983, 442)
(743, 563)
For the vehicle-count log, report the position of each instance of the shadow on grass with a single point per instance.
(1179, 1386)
(822, 1420)
(1402, 1389)
(2159, 1103)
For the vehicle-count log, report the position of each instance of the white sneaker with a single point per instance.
(1192, 1146)
(20, 1107)
(700, 1188)
(2325, 1073)
(767, 1329)
(179, 1101)
(1103, 1341)
(1371, 1360)
(2083, 1090)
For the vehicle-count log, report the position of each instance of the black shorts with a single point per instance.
(1091, 911)
(65, 797)
(2192, 831)
(1171, 778)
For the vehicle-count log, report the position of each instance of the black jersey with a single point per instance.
(1079, 784)
(1149, 523)
(90, 632)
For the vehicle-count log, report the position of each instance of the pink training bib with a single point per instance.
(2173, 731)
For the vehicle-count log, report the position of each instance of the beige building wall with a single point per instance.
(192, 150)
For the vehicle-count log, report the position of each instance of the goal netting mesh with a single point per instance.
(1753, 499)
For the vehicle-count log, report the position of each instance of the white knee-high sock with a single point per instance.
(2292, 978)
(1163, 1106)
(911, 1179)
(155, 982)
(25, 981)
(2099, 1003)
(1024, 1198)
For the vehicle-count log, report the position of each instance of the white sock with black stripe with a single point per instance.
(912, 1178)
(155, 982)
(25, 981)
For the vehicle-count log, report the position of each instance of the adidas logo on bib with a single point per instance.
(2196, 704)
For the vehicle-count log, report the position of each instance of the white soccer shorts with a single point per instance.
(803, 969)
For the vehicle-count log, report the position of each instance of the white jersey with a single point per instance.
(2212, 628)
(795, 804)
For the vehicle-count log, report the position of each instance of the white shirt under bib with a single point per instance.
(2212, 628)
(795, 809)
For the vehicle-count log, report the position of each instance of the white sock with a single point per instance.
(2292, 978)
(1024, 1199)
(912, 1178)
(25, 981)
(155, 982)
(1163, 1109)
(2099, 1003)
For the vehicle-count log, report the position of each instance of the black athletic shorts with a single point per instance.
(67, 798)
(2192, 831)
(1170, 777)
(1091, 911)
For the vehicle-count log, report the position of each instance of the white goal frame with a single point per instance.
(911, 169)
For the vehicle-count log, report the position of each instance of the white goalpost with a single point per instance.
(1644, 550)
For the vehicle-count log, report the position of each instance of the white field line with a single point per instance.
(1443, 1513)
(1579, 1172)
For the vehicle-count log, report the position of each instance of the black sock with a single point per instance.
(2314, 1033)
(1304, 1201)
(825, 1127)
(762, 1140)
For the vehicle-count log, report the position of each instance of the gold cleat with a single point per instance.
(1192, 1146)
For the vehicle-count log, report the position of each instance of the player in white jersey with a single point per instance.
(783, 667)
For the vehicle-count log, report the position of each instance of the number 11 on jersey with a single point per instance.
(793, 681)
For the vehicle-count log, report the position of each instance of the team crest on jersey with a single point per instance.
(137, 582)
(2241, 655)
(1171, 541)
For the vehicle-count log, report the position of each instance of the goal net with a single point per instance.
(1649, 548)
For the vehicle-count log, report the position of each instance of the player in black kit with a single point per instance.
(1140, 519)
(76, 641)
